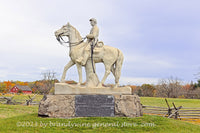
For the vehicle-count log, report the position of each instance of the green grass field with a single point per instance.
(19, 118)
(155, 101)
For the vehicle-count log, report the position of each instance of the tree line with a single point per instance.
(169, 88)
(39, 86)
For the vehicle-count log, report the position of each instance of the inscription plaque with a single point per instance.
(94, 105)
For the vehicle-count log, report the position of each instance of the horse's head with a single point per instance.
(69, 31)
(63, 31)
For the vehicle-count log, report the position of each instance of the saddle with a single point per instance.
(99, 45)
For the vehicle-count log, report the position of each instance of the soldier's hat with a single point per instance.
(93, 19)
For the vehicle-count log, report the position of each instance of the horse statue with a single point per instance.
(111, 57)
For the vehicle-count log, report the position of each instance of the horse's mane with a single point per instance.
(77, 34)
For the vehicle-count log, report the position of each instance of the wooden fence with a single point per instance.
(10, 101)
(183, 112)
(173, 112)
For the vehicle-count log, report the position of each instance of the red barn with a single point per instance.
(25, 89)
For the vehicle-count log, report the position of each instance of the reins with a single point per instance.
(71, 43)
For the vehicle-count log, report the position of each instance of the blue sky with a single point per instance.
(159, 39)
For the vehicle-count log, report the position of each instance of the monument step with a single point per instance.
(67, 89)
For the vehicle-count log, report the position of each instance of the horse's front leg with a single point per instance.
(79, 68)
(69, 64)
(107, 72)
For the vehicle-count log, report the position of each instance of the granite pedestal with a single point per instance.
(96, 103)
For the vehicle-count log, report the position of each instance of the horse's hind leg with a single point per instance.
(113, 69)
(69, 64)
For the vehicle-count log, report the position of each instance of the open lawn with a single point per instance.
(155, 101)
(19, 118)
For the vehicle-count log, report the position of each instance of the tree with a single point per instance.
(21, 83)
(133, 88)
(46, 84)
(8, 85)
(49, 79)
(148, 90)
(169, 88)
(196, 85)
(2, 87)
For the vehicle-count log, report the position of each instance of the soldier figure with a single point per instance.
(92, 39)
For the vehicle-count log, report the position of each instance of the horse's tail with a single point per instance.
(118, 66)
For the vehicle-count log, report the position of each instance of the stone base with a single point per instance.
(68, 89)
(63, 106)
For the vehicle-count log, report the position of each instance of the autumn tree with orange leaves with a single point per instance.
(8, 86)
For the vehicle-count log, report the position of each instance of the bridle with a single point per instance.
(71, 43)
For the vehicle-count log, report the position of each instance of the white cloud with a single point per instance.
(153, 62)
(43, 68)
(138, 80)
(3, 74)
